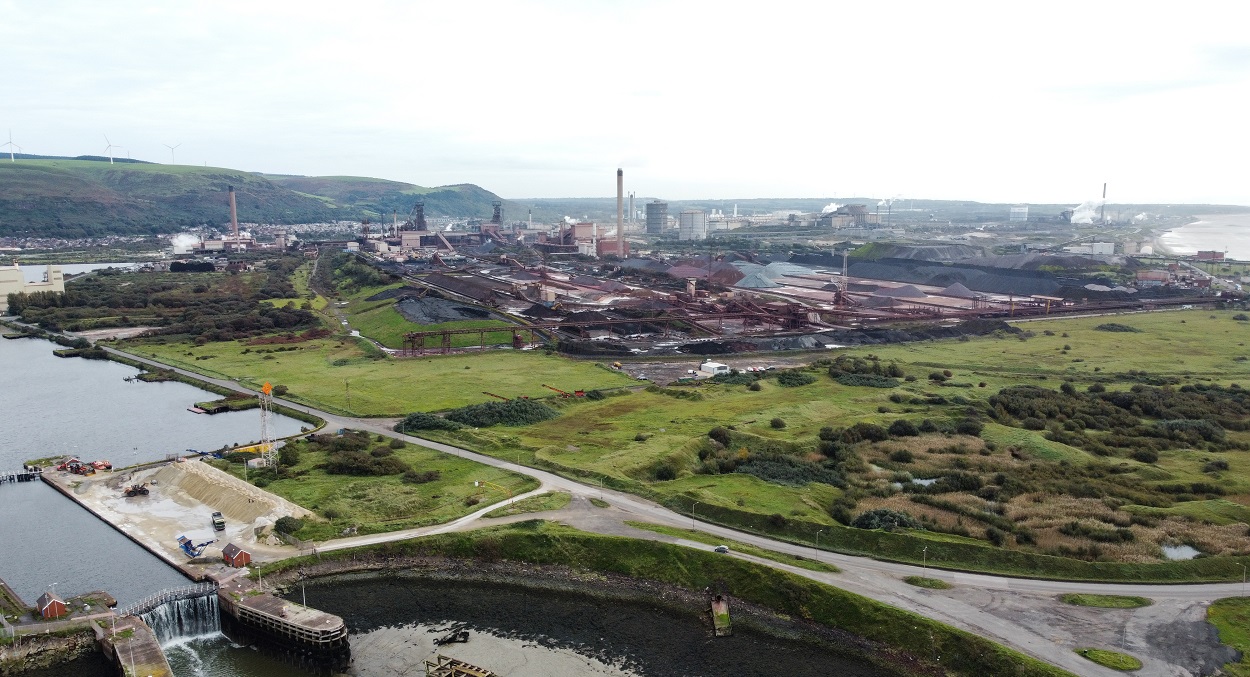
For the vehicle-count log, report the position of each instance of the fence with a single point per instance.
(185, 592)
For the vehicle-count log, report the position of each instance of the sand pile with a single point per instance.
(236, 499)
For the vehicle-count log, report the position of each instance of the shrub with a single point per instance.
(288, 455)
(903, 428)
(1115, 327)
(792, 378)
(1241, 317)
(901, 456)
(414, 477)
(1097, 388)
(288, 524)
(512, 413)
(396, 443)
(968, 426)
(720, 434)
(665, 473)
(424, 421)
(754, 387)
(861, 432)
(1145, 455)
(777, 423)
(882, 518)
(1215, 466)
(937, 376)
(595, 395)
(867, 381)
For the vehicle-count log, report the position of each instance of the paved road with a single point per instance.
(1020, 613)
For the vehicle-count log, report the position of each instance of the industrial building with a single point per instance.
(657, 217)
(13, 281)
(692, 225)
(1018, 214)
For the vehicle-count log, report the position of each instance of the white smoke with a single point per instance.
(184, 240)
(1086, 212)
(831, 207)
(570, 220)
(1140, 217)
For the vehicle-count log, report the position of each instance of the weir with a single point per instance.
(184, 617)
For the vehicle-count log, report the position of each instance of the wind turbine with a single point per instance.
(109, 148)
(171, 151)
(11, 146)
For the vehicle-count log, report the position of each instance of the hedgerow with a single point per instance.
(512, 412)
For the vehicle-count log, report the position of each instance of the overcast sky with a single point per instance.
(1000, 101)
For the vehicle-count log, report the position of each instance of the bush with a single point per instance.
(1097, 388)
(1145, 455)
(361, 464)
(280, 390)
(1115, 327)
(396, 443)
(937, 376)
(792, 378)
(424, 421)
(288, 455)
(414, 477)
(720, 434)
(968, 426)
(754, 387)
(1215, 466)
(901, 456)
(867, 381)
(903, 428)
(1241, 317)
(512, 413)
(882, 518)
(595, 395)
(288, 524)
(777, 423)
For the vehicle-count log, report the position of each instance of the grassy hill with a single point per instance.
(88, 197)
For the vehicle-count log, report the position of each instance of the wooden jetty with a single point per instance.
(14, 477)
(446, 666)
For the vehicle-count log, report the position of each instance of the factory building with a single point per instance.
(657, 217)
(12, 281)
(692, 225)
(1018, 214)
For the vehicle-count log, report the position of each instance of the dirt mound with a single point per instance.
(436, 311)
(236, 499)
(397, 293)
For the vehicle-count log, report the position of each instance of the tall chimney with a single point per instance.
(234, 215)
(631, 207)
(620, 213)
(1102, 211)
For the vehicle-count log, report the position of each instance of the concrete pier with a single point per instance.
(132, 646)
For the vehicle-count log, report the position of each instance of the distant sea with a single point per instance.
(1220, 232)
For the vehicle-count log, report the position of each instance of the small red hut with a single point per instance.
(51, 606)
(235, 556)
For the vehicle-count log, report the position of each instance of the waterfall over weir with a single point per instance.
(184, 618)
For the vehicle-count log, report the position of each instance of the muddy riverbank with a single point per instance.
(629, 625)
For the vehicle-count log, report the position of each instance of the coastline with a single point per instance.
(1228, 233)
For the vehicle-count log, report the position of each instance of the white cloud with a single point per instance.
(989, 101)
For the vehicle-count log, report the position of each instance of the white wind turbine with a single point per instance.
(109, 148)
(11, 146)
(171, 151)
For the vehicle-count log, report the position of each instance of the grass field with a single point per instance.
(387, 503)
(325, 373)
(552, 500)
(709, 539)
(1110, 659)
(380, 321)
(930, 583)
(1106, 601)
(1231, 617)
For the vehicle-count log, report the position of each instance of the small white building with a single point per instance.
(714, 368)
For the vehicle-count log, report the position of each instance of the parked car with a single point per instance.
(722, 549)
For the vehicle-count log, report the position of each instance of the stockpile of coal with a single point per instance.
(436, 311)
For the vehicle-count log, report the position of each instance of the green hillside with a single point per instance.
(379, 199)
(72, 198)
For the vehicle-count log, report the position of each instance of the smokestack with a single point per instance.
(620, 213)
(234, 214)
(631, 207)
(1102, 211)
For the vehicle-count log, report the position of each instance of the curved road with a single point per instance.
(1018, 612)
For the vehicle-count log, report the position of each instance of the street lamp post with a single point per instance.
(1243, 580)
(818, 531)
(924, 560)
(693, 523)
